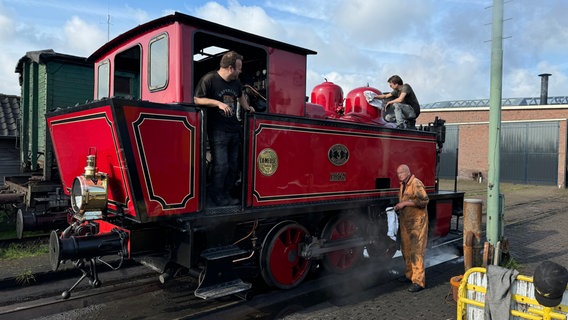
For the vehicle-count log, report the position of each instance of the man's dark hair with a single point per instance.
(395, 79)
(230, 59)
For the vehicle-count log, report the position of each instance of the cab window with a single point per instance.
(207, 52)
(127, 73)
(158, 63)
(103, 85)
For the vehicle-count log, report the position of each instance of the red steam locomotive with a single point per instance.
(315, 178)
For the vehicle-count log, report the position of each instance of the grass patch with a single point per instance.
(25, 278)
(21, 250)
(510, 263)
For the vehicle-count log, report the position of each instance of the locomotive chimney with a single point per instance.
(544, 88)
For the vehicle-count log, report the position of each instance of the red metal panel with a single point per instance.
(287, 82)
(78, 134)
(443, 217)
(166, 153)
(294, 162)
(155, 149)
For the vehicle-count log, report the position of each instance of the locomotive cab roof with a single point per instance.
(162, 61)
(200, 24)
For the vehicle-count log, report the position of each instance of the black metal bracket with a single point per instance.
(89, 271)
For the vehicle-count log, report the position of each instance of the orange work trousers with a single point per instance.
(414, 238)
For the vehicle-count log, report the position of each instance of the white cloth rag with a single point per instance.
(372, 99)
(392, 221)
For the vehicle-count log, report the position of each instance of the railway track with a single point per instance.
(146, 297)
(51, 306)
(95, 303)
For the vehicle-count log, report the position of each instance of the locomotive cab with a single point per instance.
(163, 60)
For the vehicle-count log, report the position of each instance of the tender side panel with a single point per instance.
(164, 146)
(297, 162)
(78, 134)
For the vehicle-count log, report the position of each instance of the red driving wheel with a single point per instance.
(341, 228)
(280, 262)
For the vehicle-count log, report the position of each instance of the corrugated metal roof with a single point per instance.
(9, 115)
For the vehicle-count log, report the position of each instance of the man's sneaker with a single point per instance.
(415, 287)
(411, 124)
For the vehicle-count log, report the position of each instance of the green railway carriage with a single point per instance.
(49, 81)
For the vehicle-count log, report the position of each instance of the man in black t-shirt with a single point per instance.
(404, 101)
(221, 91)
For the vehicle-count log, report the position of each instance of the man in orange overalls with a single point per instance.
(413, 220)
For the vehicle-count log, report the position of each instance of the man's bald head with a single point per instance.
(403, 172)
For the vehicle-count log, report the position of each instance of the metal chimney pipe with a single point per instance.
(544, 88)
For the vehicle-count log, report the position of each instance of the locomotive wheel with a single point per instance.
(20, 223)
(341, 228)
(25, 221)
(280, 263)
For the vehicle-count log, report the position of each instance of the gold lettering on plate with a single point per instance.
(267, 162)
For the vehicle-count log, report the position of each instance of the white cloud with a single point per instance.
(9, 80)
(385, 22)
(439, 46)
(82, 38)
(6, 25)
(252, 19)
(527, 83)
(8, 55)
(521, 83)
(302, 10)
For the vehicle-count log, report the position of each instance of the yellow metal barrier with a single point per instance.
(471, 299)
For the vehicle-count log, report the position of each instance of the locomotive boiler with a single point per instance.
(315, 178)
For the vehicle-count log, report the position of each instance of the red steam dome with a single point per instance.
(329, 95)
(356, 104)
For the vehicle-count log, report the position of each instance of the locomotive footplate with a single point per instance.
(219, 279)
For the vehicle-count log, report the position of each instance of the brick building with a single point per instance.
(533, 139)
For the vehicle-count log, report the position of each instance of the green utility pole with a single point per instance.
(494, 214)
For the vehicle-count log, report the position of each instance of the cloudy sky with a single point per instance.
(441, 47)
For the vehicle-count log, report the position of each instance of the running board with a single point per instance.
(222, 289)
(219, 279)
